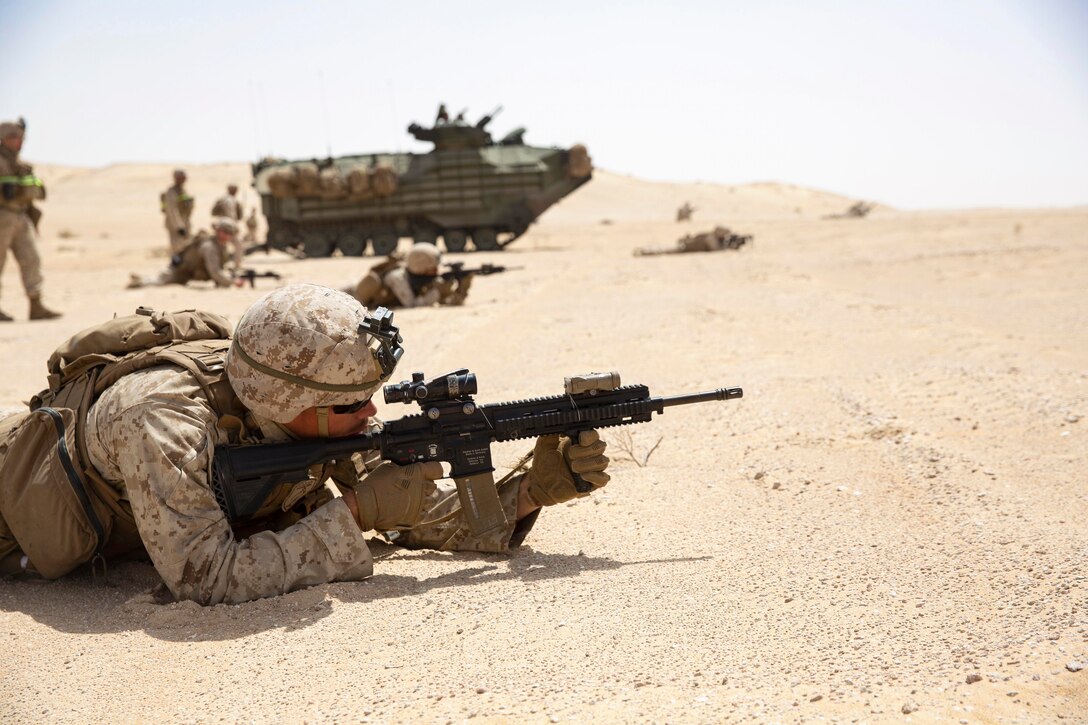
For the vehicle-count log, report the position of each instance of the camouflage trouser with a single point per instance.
(17, 234)
(177, 241)
(165, 277)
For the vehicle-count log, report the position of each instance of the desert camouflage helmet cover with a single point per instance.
(423, 258)
(301, 346)
(10, 128)
(225, 223)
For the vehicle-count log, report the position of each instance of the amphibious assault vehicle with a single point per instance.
(468, 187)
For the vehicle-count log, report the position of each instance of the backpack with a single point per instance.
(59, 509)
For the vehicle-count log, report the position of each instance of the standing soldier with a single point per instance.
(203, 259)
(19, 217)
(251, 227)
(177, 208)
(683, 214)
(228, 206)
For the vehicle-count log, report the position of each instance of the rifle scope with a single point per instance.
(451, 386)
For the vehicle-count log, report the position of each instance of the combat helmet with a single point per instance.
(225, 223)
(423, 258)
(11, 128)
(305, 345)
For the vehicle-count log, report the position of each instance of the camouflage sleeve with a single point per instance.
(161, 449)
(444, 525)
(213, 263)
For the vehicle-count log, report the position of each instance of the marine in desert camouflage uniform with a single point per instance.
(415, 282)
(177, 210)
(301, 368)
(228, 206)
(718, 239)
(251, 227)
(202, 260)
(19, 218)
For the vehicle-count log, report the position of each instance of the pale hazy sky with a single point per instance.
(915, 104)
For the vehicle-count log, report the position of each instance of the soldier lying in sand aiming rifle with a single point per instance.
(717, 240)
(416, 281)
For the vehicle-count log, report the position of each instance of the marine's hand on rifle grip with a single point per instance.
(563, 470)
(587, 461)
(393, 497)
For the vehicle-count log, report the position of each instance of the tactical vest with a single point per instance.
(19, 187)
(59, 508)
(185, 202)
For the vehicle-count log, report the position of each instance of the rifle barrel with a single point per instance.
(705, 397)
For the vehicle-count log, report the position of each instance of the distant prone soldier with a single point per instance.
(858, 210)
(203, 259)
(412, 282)
(177, 211)
(683, 214)
(416, 281)
(718, 239)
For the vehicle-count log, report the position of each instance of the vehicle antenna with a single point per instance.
(264, 115)
(256, 124)
(325, 107)
(396, 122)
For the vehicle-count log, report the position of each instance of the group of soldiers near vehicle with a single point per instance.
(411, 281)
(201, 256)
(137, 406)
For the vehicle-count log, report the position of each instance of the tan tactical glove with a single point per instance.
(392, 497)
(555, 461)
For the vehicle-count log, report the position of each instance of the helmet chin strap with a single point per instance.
(322, 420)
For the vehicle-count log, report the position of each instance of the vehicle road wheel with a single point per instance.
(352, 244)
(486, 240)
(426, 235)
(455, 240)
(282, 237)
(385, 243)
(317, 244)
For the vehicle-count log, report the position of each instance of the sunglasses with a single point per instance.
(350, 408)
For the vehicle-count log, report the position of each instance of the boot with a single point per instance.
(5, 318)
(38, 311)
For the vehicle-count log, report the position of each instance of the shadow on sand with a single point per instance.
(133, 598)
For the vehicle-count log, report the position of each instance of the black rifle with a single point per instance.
(457, 270)
(251, 275)
(451, 428)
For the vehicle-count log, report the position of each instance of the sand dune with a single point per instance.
(898, 502)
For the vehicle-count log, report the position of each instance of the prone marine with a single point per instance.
(718, 239)
(412, 282)
(201, 260)
(137, 406)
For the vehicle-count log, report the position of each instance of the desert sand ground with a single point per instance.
(897, 505)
